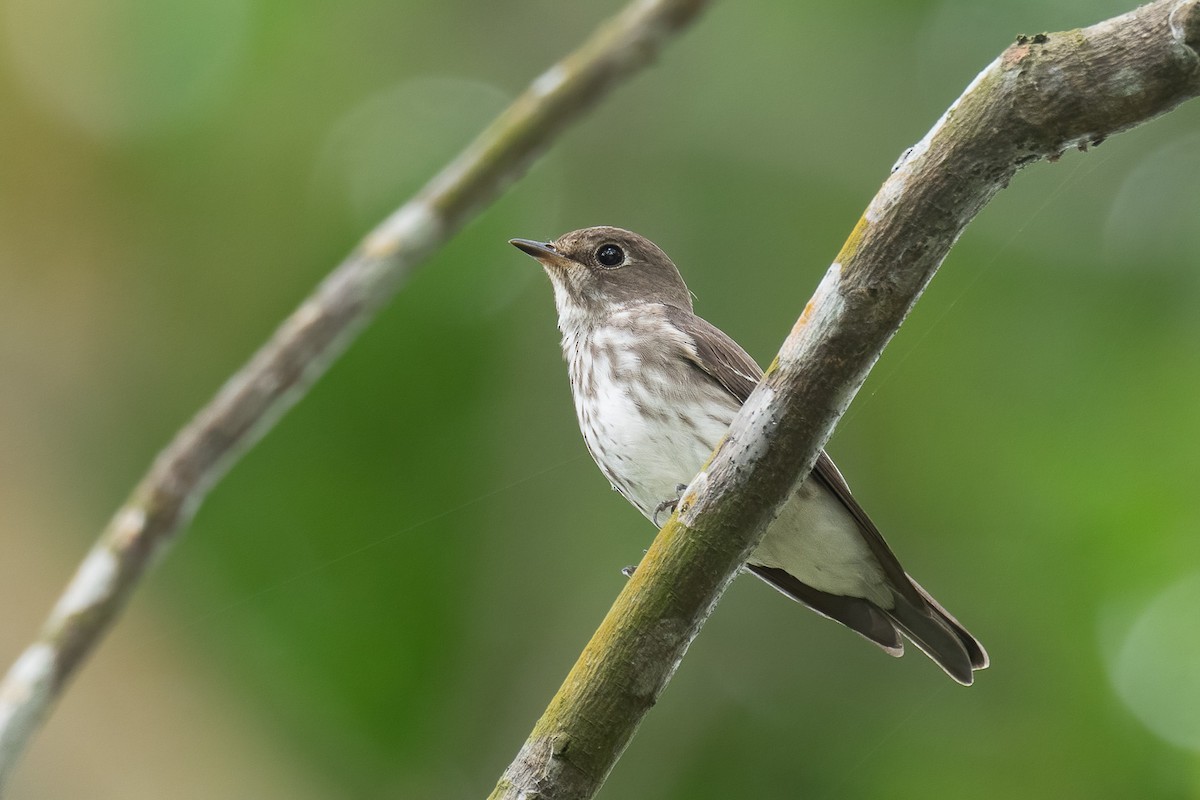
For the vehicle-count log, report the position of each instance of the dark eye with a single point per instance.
(610, 255)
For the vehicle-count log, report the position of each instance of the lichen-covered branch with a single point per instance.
(1045, 94)
(304, 345)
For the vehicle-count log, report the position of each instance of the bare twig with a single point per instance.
(304, 345)
(1043, 95)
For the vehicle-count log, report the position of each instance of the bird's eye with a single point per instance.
(610, 255)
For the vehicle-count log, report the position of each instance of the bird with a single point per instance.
(655, 389)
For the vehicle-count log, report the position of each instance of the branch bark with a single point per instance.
(303, 347)
(1044, 95)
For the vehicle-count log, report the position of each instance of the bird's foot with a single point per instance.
(668, 505)
(632, 568)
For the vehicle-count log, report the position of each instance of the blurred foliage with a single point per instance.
(396, 579)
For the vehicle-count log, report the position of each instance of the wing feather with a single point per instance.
(914, 612)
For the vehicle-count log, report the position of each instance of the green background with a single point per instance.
(381, 597)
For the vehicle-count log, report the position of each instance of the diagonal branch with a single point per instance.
(306, 343)
(1043, 95)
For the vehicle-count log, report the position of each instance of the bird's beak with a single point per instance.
(542, 251)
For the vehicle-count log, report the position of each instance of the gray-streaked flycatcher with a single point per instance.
(655, 389)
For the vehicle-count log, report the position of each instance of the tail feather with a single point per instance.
(921, 619)
(979, 657)
(940, 637)
(859, 615)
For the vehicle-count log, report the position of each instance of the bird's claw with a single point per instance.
(670, 504)
(632, 568)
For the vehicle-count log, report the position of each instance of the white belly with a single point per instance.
(816, 540)
(648, 437)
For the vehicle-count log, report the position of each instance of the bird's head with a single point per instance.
(596, 271)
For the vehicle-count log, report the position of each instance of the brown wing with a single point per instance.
(859, 615)
(732, 367)
(915, 612)
(931, 627)
(720, 357)
(827, 473)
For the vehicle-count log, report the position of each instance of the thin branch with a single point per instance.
(1043, 95)
(304, 346)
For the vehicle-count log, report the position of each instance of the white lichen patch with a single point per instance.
(1053, 81)
(309, 312)
(415, 227)
(130, 522)
(1174, 19)
(549, 81)
(919, 149)
(128, 525)
(825, 305)
(24, 696)
(34, 669)
(887, 196)
(93, 583)
(753, 428)
(1127, 82)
